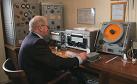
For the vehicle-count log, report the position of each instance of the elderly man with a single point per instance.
(36, 58)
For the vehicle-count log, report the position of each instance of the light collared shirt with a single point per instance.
(38, 35)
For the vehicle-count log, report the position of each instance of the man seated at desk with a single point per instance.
(36, 58)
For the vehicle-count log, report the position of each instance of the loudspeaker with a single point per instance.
(116, 37)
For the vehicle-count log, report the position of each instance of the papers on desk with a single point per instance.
(71, 54)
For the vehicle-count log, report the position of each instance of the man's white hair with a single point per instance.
(36, 22)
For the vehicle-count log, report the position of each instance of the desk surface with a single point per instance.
(115, 67)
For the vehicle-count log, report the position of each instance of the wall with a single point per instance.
(70, 11)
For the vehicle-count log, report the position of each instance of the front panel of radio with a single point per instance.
(80, 42)
(116, 37)
(17, 14)
(58, 39)
(54, 13)
(80, 39)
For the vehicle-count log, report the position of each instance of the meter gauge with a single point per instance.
(23, 6)
(26, 14)
(16, 5)
(27, 6)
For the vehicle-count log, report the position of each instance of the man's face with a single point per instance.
(45, 30)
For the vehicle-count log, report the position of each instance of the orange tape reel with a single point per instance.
(112, 33)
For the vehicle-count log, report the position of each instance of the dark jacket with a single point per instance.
(39, 63)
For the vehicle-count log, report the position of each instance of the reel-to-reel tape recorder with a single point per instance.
(116, 37)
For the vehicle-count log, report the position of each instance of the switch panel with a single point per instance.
(54, 12)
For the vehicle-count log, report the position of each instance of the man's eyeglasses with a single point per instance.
(46, 26)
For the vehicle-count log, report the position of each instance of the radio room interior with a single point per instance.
(93, 26)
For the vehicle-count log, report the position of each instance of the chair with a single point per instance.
(19, 77)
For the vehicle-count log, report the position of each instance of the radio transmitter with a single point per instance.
(116, 37)
(54, 13)
(17, 14)
(58, 39)
(81, 39)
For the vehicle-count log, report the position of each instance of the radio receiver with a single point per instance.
(81, 39)
(116, 37)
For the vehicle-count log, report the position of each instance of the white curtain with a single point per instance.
(3, 76)
(132, 13)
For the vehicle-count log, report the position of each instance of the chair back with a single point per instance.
(16, 76)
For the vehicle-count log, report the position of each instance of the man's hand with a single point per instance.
(70, 54)
(83, 56)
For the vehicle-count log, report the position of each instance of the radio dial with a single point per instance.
(74, 44)
(78, 44)
(83, 46)
(101, 41)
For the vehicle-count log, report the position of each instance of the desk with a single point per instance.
(113, 72)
